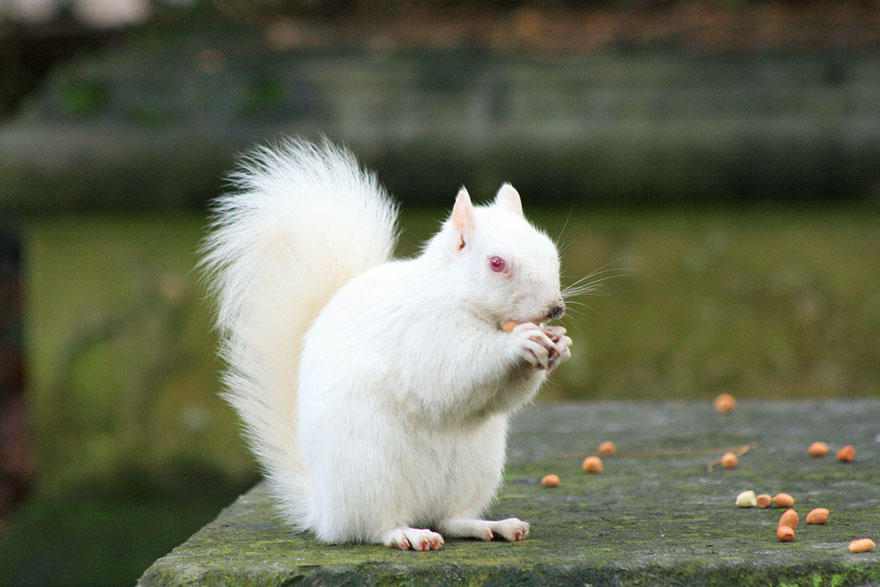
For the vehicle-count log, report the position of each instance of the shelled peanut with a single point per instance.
(550, 481)
(607, 448)
(509, 325)
(861, 545)
(818, 516)
(787, 524)
(592, 465)
(846, 454)
(725, 403)
(818, 449)
(783, 500)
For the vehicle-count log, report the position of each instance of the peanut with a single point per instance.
(592, 465)
(607, 448)
(729, 460)
(785, 534)
(861, 545)
(789, 518)
(818, 516)
(783, 500)
(746, 499)
(725, 403)
(846, 454)
(763, 500)
(550, 481)
(509, 325)
(818, 449)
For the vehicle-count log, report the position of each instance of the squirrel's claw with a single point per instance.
(533, 344)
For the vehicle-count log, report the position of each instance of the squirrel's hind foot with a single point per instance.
(511, 529)
(406, 538)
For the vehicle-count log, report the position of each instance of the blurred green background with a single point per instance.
(718, 159)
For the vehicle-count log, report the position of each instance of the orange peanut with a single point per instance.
(783, 500)
(607, 448)
(550, 481)
(725, 403)
(785, 534)
(861, 545)
(789, 518)
(846, 454)
(818, 516)
(592, 465)
(818, 449)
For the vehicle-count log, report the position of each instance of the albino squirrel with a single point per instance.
(376, 393)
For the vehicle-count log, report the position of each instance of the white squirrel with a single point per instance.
(376, 393)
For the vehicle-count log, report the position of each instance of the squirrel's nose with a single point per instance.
(556, 310)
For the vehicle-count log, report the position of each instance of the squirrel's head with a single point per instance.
(510, 269)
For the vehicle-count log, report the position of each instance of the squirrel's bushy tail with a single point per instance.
(303, 219)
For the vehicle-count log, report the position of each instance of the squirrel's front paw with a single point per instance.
(533, 344)
(562, 351)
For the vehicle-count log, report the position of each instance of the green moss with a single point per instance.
(645, 519)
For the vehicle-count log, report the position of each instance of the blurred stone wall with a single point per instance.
(156, 122)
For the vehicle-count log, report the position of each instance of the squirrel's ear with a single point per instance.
(463, 218)
(508, 198)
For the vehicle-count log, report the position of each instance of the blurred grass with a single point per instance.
(120, 347)
(135, 448)
(762, 302)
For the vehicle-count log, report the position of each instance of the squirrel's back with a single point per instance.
(303, 219)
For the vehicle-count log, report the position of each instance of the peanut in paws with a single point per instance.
(509, 325)
(544, 347)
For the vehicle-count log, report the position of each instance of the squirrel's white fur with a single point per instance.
(376, 392)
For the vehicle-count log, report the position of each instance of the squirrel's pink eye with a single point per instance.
(497, 264)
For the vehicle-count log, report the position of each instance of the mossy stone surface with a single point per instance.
(655, 515)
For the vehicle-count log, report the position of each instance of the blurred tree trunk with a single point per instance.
(15, 456)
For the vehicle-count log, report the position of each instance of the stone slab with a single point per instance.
(655, 515)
